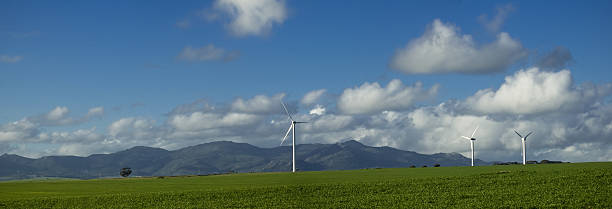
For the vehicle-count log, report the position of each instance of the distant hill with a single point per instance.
(222, 157)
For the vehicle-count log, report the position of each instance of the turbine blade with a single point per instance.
(300, 122)
(286, 111)
(466, 137)
(528, 134)
(518, 134)
(474, 132)
(287, 134)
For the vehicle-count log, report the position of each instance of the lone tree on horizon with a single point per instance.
(125, 172)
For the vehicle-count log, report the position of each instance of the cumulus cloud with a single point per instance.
(371, 97)
(312, 96)
(317, 110)
(134, 128)
(494, 24)
(260, 104)
(207, 53)
(533, 91)
(96, 111)
(26, 138)
(22, 130)
(442, 49)
(331, 122)
(583, 134)
(32, 131)
(253, 17)
(558, 58)
(579, 152)
(10, 59)
(60, 116)
(80, 136)
(57, 113)
(440, 127)
(200, 121)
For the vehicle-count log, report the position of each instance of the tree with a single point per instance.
(125, 172)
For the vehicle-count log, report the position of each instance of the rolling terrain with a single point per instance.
(222, 157)
(567, 185)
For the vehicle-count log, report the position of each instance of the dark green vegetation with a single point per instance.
(221, 157)
(575, 185)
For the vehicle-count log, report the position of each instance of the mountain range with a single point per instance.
(222, 157)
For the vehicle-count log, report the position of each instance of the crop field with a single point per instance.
(574, 185)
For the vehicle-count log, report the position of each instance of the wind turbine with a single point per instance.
(291, 128)
(523, 139)
(472, 139)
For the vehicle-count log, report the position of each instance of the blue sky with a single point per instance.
(141, 60)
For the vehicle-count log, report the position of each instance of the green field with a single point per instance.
(575, 185)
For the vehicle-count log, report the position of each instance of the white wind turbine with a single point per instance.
(472, 139)
(523, 139)
(292, 127)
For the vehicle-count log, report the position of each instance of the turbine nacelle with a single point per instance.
(471, 137)
(523, 138)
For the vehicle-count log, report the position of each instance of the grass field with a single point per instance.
(575, 185)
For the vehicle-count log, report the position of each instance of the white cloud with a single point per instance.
(133, 128)
(252, 17)
(260, 104)
(10, 59)
(29, 128)
(582, 134)
(57, 113)
(442, 49)
(96, 111)
(440, 129)
(495, 23)
(80, 135)
(331, 123)
(200, 121)
(371, 97)
(533, 91)
(76, 149)
(60, 116)
(207, 53)
(579, 152)
(312, 96)
(317, 110)
(22, 130)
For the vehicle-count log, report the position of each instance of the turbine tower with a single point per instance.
(523, 139)
(291, 128)
(472, 139)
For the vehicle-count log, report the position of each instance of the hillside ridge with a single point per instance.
(222, 157)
